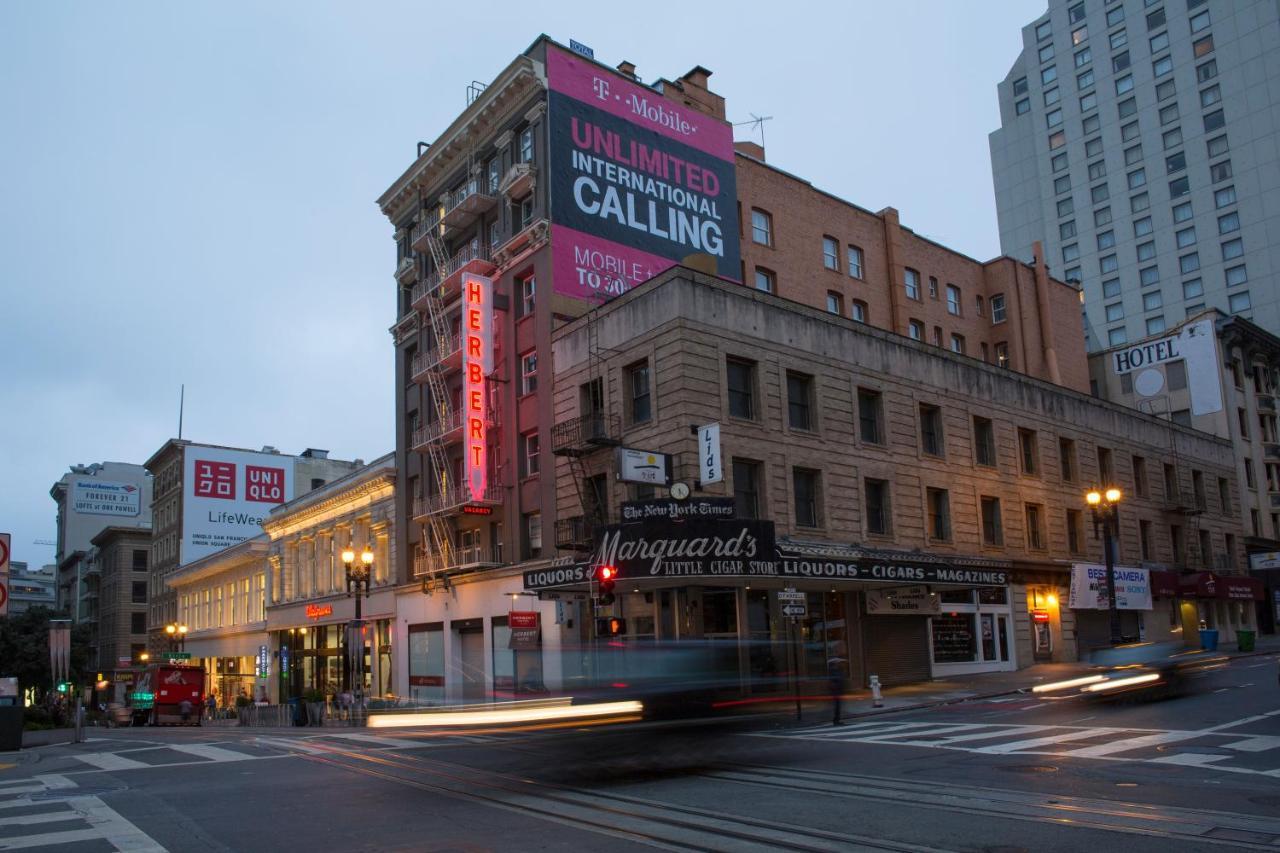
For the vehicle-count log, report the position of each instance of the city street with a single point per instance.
(1009, 773)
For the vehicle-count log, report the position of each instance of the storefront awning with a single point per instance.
(1164, 584)
(1228, 587)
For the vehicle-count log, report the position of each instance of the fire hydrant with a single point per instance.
(877, 701)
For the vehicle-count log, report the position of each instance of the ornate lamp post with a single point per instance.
(359, 574)
(177, 633)
(1105, 506)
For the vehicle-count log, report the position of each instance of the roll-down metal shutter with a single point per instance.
(897, 648)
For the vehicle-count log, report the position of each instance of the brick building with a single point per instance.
(859, 444)
(120, 559)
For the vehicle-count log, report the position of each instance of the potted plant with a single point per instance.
(315, 705)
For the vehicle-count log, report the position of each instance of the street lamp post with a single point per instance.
(359, 574)
(1105, 506)
(177, 633)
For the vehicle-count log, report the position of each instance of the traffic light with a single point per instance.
(606, 576)
(611, 626)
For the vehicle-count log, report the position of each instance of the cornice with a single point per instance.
(359, 496)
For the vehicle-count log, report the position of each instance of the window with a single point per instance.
(1166, 90)
(1210, 96)
(1059, 162)
(830, 253)
(526, 211)
(1200, 22)
(1235, 276)
(1067, 459)
(992, 528)
(528, 292)
(806, 483)
(137, 623)
(997, 308)
(1072, 274)
(858, 311)
(915, 330)
(746, 488)
(1002, 354)
(1185, 237)
(1084, 79)
(533, 532)
(1129, 106)
(1202, 47)
(139, 592)
(1175, 162)
(939, 502)
(1179, 187)
(765, 280)
(1020, 86)
(1062, 184)
(911, 280)
(1162, 66)
(1133, 155)
(1207, 71)
(1217, 146)
(741, 381)
(1144, 539)
(1119, 63)
(871, 416)
(931, 441)
(1111, 288)
(1129, 132)
(139, 560)
(1022, 106)
(1182, 212)
(640, 400)
(1220, 171)
(1075, 531)
(1076, 13)
(1238, 302)
(1043, 31)
(1093, 147)
(1035, 527)
(1097, 169)
(1108, 264)
(876, 501)
(1115, 15)
(1214, 120)
(1046, 52)
(1142, 227)
(1155, 325)
(1100, 193)
(1057, 140)
(761, 227)
(1048, 75)
(1224, 197)
(984, 441)
(1151, 301)
(937, 336)
(1145, 251)
(1250, 479)
(1155, 19)
(532, 444)
(1232, 249)
(1137, 178)
(835, 303)
(1053, 118)
(1224, 495)
(526, 145)
(1028, 452)
(529, 372)
(1169, 114)
(1067, 229)
(1192, 288)
(1197, 488)
(799, 400)
(494, 169)
(1158, 42)
(1116, 337)
(1066, 207)
(957, 343)
(1102, 216)
(1189, 263)
(1172, 138)
(1115, 311)
(853, 256)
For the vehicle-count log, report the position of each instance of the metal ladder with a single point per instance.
(441, 533)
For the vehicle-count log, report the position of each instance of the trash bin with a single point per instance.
(11, 718)
(1245, 637)
(299, 711)
(1209, 639)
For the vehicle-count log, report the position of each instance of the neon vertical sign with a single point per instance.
(477, 363)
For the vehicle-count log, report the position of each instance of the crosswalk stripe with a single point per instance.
(213, 753)
(1257, 743)
(1016, 745)
(43, 817)
(918, 734)
(1188, 759)
(1131, 744)
(999, 732)
(109, 761)
(49, 839)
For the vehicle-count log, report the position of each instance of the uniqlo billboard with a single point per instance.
(227, 495)
(638, 182)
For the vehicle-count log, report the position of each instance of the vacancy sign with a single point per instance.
(5, 541)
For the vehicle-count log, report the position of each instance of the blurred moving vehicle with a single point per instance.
(1147, 670)
(168, 694)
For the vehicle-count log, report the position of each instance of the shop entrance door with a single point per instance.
(471, 654)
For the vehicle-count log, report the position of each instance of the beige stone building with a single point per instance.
(119, 566)
(875, 457)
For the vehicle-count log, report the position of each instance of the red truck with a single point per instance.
(168, 694)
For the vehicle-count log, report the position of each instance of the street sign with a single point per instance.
(176, 655)
(791, 595)
(4, 574)
(794, 610)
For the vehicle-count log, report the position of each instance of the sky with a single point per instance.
(187, 191)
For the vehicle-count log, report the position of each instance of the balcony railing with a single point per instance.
(1266, 403)
(418, 236)
(477, 556)
(447, 356)
(465, 205)
(518, 180)
(574, 533)
(454, 500)
(583, 435)
(407, 270)
(442, 428)
(1271, 450)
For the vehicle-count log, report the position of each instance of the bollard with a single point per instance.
(876, 700)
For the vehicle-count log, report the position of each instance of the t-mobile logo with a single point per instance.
(600, 87)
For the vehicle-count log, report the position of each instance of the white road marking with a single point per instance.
(1255, 743)
(1015, 746)
(109, 761)
(379, 740)
(298, 745)
(213, 753)
(1241, 722)
(1188, 759)
(1128, 744)
(44, 817)
(49, 839)
(104, 823)
(114, 828)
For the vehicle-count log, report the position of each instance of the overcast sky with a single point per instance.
(187, 192)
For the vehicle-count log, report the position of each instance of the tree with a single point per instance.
(24, 649)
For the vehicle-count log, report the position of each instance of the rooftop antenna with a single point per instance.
(182, 399)
(757, 123)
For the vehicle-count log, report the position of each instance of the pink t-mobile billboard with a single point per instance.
(638, 183)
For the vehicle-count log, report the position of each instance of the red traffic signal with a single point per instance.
(606, 576)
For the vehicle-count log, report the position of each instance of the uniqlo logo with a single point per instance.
(215, 480)
(265, 485)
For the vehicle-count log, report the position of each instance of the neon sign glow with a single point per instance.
(477, 363)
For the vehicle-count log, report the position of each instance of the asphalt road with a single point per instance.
(1194, 773)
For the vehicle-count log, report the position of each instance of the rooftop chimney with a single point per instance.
(627, 68)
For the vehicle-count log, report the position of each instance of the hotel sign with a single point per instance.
(1146, 354)
(477, 363)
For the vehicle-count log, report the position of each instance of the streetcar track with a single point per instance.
(767, 835)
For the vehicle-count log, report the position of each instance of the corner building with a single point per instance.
(881, 463)
(567, 183)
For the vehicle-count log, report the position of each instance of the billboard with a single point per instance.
(101, 497)
(638, 182)
(226, 495)
(1195, 346)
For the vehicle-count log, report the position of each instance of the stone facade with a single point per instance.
(120, 559)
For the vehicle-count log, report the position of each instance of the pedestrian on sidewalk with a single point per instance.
(835, 676)
(212, 705)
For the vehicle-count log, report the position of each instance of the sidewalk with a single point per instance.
(989, 685)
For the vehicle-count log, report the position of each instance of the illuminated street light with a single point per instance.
(1105, 506)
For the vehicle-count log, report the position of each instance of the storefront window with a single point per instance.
(719, 612)
(954, 639)
(426, 663)
(516, 672)
(952, 596)
(993, 595)
(384, 672)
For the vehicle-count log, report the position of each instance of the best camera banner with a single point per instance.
(1089, 588)
(638, 182)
